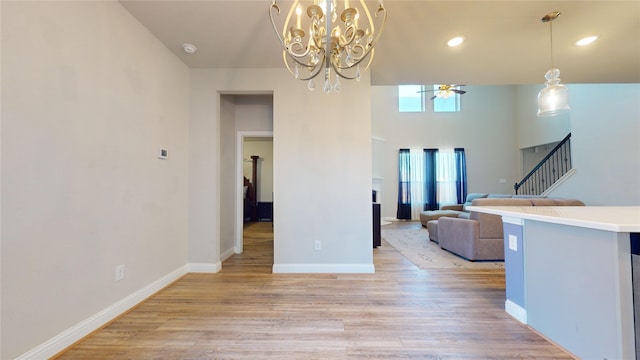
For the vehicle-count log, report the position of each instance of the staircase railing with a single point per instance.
(548, 171)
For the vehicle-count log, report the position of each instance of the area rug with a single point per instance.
(414, 244)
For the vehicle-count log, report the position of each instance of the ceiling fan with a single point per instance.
(444, 91)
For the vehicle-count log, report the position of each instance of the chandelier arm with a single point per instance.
(359, 49)
(290, 50)
(340, 74)
(305, 65)
(317, 68)
(314, 29)
(338, 69)
(370, 51)
(382, 24)
(348, 30)
(275, 28)
(376, 14)
(368, 55)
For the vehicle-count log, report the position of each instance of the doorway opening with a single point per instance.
(243, 117)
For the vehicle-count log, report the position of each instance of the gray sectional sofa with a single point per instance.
(459, 210)
(479, 236)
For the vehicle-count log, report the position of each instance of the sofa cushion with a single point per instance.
(432, 228)
(542, 202)
(501, 202)
(491, 225)
(461, 237)
(499, 196)
(471, 197)
(568, 202)
(429, 215)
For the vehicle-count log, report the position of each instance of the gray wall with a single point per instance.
(605, 128)
(227, 179)
(486, 133)
(322, 169)
(88, 96)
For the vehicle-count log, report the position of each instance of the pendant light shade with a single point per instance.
(554, 98)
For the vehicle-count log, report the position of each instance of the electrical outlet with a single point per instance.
(119, 272)
(318, 245)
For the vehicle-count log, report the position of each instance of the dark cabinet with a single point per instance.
(265, 211)
(377, 239)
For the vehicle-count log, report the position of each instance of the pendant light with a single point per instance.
(554, 98)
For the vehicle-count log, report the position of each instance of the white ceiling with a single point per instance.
(506, 43)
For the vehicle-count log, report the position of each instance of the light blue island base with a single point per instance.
(579, 289)
(514, 269)
(569, 276)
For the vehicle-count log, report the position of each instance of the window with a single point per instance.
(450, 103)
(429, 178)
(411, 98)
(446, 177)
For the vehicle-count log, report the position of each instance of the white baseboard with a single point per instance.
(75, 333)
(204, 267)
(68, 337)
(324, 268)
(516, 311)
(559, 182)
(229, 253)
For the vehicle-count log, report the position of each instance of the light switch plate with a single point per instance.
(513, 242)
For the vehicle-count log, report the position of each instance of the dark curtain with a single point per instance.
(404, 183)
(461, 175)
(430, 181)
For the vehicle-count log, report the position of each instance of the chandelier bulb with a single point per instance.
(296, 72)
(358, 75)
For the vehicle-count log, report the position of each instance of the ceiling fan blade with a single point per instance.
(433, 97)
(458, 91)
(421, 91)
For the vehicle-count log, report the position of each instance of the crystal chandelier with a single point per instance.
(316, 41)
(554, 98)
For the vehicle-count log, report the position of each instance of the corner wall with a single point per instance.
(322, 169)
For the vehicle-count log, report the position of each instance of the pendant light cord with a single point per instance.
(551, 41)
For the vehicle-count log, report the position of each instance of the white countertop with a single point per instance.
(609, 218)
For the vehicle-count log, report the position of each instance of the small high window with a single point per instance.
(411, 98)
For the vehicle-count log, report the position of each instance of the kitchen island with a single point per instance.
(569, 275)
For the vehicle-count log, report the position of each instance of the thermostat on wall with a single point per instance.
(163, 153)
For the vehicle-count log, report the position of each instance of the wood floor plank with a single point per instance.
(245, 312)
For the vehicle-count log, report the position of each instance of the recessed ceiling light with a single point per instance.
(189, 48)
(455, 41)
(586, 41)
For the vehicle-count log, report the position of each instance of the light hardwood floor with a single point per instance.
(245, 312)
